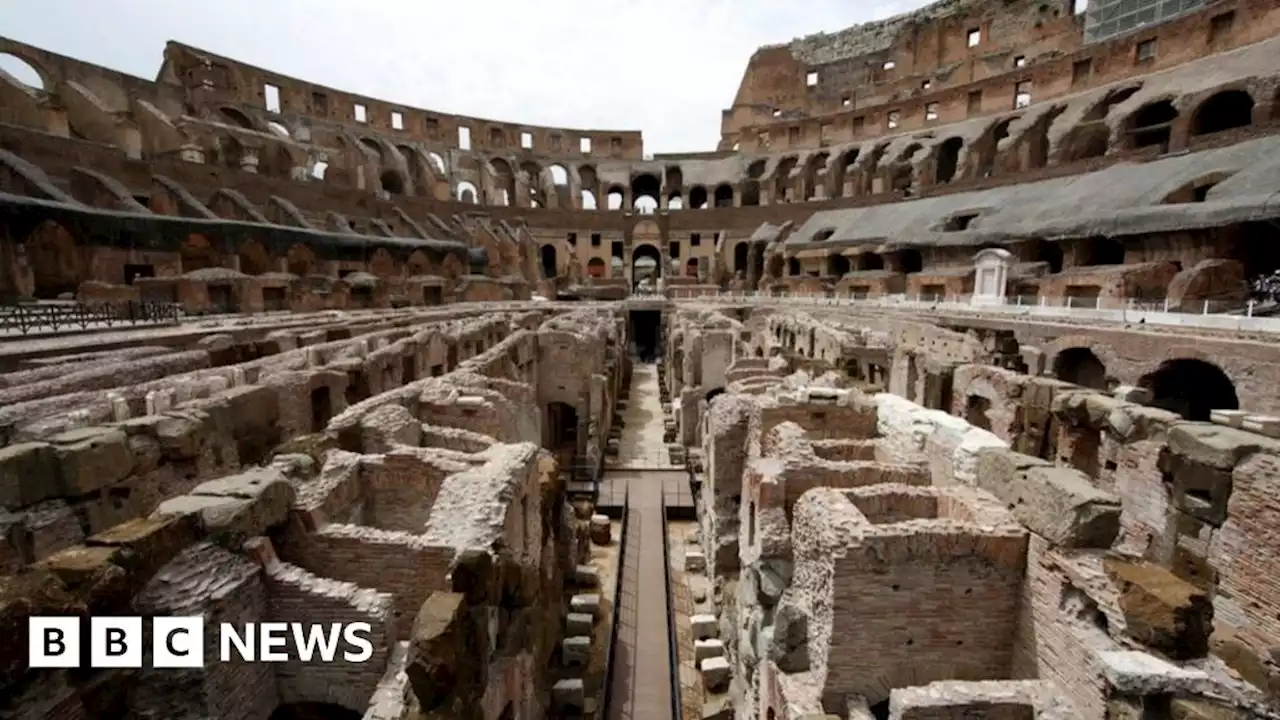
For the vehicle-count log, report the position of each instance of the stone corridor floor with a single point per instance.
(641, 681)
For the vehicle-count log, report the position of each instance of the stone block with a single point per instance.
(578, 624)
(440, 650)
(716, 673)
(704, 626)
(1161, 610)
(149, 543)
(1230, 418)
(1268, 425)
(703, 649)
(238, 506)
(1059, 504)
(695, 561)
(601, 530)
(92, 458)
(28, 474)
(1217, 446)
(569, 693)
(588, 604)
(576, 650)
(586, 576)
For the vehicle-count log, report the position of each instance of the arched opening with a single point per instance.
(793, 267)
(392, 182)
(300, 260)
(466, 192)
(596, 267)
(318, 169)
(1226, 110)
(314, 711)
(1080, 366)
(698, 198)
(1152, 125)
(948, 159)
(437, 162)
(880, 711)
(254, 258)
(533, 175)
(1190, 387)
(615, 198)
(560, 432)
(751, 193)
(814, 167)
(548, 253)
(844, 167)
(646, 265)
(675, 202)
(559, 176)
(724, 196)
(56, 263)
(740, 257)
(588, 200)
(645, 191)
(782, 179)
(321, 408)
(22, 71)
(871, 261)
(911, 261)
(991, 147)
(196, 254)
(1100, 251)
(691, 268)
(235, 117)
(1049, 253)
(713, 394)
(975, 412)
(837, 265)
(504, 181)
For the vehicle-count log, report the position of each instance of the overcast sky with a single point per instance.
(666, 67)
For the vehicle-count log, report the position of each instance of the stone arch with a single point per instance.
(57, 265)
(782, 178)
(741, 261)
(196, 254)
(465, 191)
(532, 170)
(547, 254)
(254, 258)
(948, 160)
(392, 181)
(645, 251)
(382, 263)
(300, 260)
(26, 71)
(1151, 125)
(1080, 366)
(615, 198)
(844, 165)
(813, 168)
(697, 198)
(910, 261)
(236, 117)
(504, 182)
(988, 146)
(1223, 111)
(723, 196)
(646, 193)
(1190, 387)
(418, 263)
(559, 175)
(596, 268)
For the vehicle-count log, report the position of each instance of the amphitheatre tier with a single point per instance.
(944, 388)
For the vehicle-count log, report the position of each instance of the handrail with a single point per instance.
(673, 649)
(617, 604)
(54, 316)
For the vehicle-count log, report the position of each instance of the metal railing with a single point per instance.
(617, 606)
(673, 648)
(53, 317)
(1211, 314)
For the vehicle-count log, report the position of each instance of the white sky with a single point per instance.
(666, 67)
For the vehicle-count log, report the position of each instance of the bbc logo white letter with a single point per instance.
(115, 642)
(177, 642)
(53, 642)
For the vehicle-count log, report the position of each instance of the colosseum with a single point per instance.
(971, 316)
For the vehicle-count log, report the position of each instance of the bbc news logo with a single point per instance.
(179, 642)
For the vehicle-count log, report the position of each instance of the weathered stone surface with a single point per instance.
(28, 474)
(1161, 610)
(439, 658)
(92, 458)
(1059, 504)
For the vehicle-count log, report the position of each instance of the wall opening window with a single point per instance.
(1220, 26)
(1145, 52)
(584, 145)
(889, 65)
(926, 85)
(974, 106)
(526, 140)
(1020, 61)
(846, 102)
(811, 78)
(1022, 94)
(1081, 71)
(975, 37)
(362, 113)
(271, 94)
(892, 119)
(397, 120)
(1081, 6)
(931, 111)
(464, 138)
